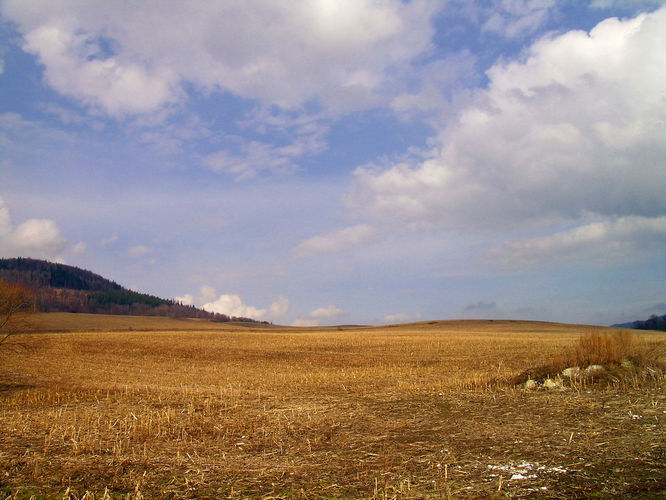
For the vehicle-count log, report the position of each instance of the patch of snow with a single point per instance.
(519, 476)
(525, 470)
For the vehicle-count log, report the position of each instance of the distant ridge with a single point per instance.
(654, 322)
(63, 288)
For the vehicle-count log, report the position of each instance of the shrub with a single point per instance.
(608, 349)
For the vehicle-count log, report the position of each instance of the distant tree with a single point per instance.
(16, 301)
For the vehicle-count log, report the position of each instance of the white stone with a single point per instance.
(594, 370)
(572, 372)
(530, 384)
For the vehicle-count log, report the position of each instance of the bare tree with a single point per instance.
(16, 302)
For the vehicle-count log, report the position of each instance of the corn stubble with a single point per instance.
(426, 410)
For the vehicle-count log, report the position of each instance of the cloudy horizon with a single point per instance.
(343, 162)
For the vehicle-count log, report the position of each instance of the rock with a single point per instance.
(594, 370)
(572, 372)
(531, 384)
(626, 363)
(549, 383)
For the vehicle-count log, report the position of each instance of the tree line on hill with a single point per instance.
(654, 322)
(62, 288)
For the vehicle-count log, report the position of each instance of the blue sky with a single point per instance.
(335, 162)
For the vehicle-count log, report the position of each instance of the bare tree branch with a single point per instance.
(16, 301)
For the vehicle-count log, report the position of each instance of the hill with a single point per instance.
(654, 322)
(63, 288)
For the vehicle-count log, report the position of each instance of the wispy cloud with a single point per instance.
(107, 241)
(139, 251)
(599, 243)
(336, 241)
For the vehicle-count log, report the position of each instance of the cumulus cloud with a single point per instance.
(342, 53)
(573, 128)
(278, 309)
(39, 238)
(206, 294)
(233, 306)
(336, 241)
(319, 315)
(599, 242)
(187, 299)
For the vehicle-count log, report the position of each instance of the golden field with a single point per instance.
(124, 407)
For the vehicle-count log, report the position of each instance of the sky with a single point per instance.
(343, 161)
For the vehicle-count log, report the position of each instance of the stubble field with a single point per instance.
(428, 410)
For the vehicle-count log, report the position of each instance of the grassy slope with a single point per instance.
(416, 410)
(69, 322)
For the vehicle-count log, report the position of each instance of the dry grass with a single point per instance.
(610, 348)
(414, 411)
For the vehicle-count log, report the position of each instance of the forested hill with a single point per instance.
(40, 273)
(62, 288)
(654, 322)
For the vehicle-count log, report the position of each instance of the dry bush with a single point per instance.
(16, 304)
(608, 349)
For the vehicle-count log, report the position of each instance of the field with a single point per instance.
(157, 408)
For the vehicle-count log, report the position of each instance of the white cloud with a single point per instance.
(600, 242)
(572, 129)
(187, 299)
(327, 312)
(139, 251)
(5, 220)
(80, 248)
(233, 306)
(304, 322)
(608, 4)
(397, 318)
(107, 241)
(514, 18)
(206, 294)
(322, 314)
(280, 53)
(39, 238)
(336, 241)
(278, 309)
(118, 85)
